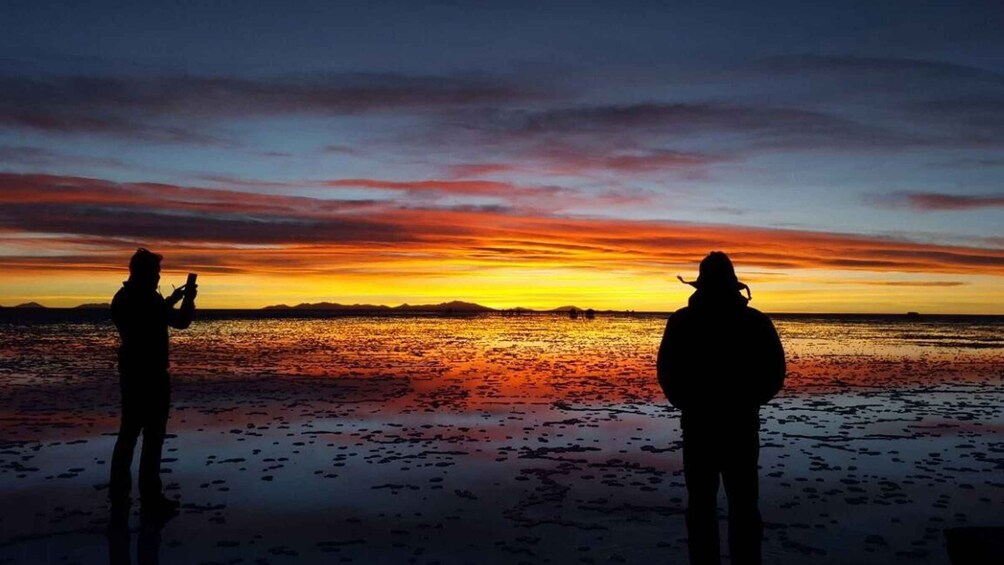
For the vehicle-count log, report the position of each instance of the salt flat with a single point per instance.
(528, 439)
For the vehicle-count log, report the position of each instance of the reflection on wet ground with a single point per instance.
(531, 439)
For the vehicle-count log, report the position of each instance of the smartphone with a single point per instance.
(190, 283)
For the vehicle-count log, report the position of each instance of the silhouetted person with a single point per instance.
(718, 362)
(142, 317)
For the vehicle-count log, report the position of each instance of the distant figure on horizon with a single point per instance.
(142, 317)
(719, 361)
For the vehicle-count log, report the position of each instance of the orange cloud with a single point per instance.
(310, 234)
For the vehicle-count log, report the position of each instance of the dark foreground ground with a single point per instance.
(493, 441)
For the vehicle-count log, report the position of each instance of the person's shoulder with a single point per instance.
(757, 317)
(136, 298)
(680, 317)
(121, 294)
(684, 312)
(121, 303)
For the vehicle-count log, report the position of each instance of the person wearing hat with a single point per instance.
(719, 361)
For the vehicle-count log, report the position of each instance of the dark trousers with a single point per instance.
(148, 553)
(730, 450)
(146, 399)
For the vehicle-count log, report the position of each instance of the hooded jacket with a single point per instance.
(720, 357)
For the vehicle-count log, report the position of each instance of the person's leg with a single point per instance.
(741, 478)
(154, 429)
(131, 424)
(701, 473)
(119, 547)
(148, 552)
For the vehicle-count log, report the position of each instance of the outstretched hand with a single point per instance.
(182, 291)
(177, 295)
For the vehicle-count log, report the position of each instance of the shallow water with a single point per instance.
(496, 439)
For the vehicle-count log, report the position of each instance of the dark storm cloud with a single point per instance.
(137, 106)
(762, 125)
(565, 157)
(818, 103)
(457, 187)
(884, 68)
(940, 104)
(934, 201)
(166, 225)
(25, 155)
(969, 121)
(530, 118)
(31, 189)
(66, 121)
(649, 137)
(96, 207)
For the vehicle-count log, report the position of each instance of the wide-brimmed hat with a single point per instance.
(717, 273)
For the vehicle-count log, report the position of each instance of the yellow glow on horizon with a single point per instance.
(541, 288)
(299, 249)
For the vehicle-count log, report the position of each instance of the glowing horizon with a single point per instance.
(381, 253)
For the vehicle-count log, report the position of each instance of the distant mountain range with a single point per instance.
(37, 306)
(454, 306)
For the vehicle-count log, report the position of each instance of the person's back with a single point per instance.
(720, 358)
(719, 361)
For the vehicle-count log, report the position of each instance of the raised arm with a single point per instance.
(180, 318)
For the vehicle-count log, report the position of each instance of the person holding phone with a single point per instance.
(142, 317)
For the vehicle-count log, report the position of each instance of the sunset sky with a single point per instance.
(849, 158)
